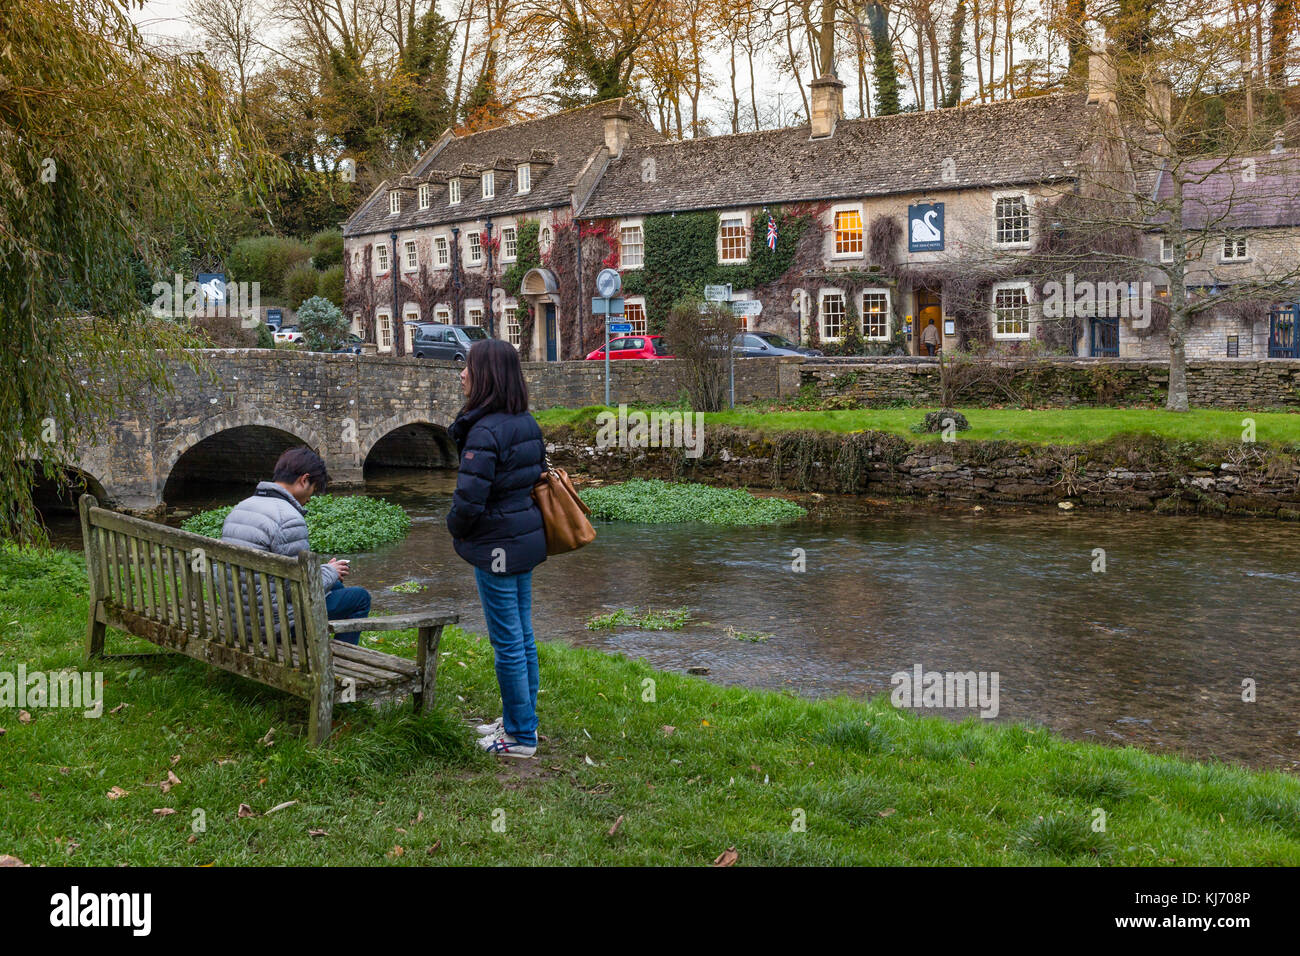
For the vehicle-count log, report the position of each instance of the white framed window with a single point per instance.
(875, 314)
(425, 195)
(381, 259)
(394, 202)
(524, 180)
(474, 313)
(1166, 249)
(544, 238)
(1011, 220)
(475, 248)
(513, 331)
(412, 261)
(1235, 249)
(489, 181)
(410, 319)
(356, 323)
(442, 314)
(848, 231)
(634, 313)
(453, 191)
(1012, 310)
(733, 238)
(831, 315)
(384, 331)
(509, 244)
(441, 252)
(631, 246)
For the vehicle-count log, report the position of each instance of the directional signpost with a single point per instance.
(608, 303)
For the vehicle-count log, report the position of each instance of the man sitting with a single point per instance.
(275, 520)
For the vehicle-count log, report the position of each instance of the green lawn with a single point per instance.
(1045, 426)
(621, 780)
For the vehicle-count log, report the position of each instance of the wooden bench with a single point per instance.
(186, 593)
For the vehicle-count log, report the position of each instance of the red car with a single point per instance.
(633, 347)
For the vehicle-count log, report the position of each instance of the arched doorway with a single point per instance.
(541, 290)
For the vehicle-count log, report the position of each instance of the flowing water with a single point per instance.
(1151, 652)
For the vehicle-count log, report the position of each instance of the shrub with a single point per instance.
(699, 336)
(327, 248)
(322, 324)
(329, 285)
(300, 284)
(661, 502)
(265, 340)
(265, 260)
(335, 525)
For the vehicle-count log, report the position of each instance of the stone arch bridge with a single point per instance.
(229, 422)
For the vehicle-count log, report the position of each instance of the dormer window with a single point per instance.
(394, 203)
(489, 185)
(453, 191)
(525, 182)
(426, 195)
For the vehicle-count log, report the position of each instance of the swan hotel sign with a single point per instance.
(925, 227)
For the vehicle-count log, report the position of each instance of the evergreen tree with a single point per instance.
(882, 51)
(956, 46)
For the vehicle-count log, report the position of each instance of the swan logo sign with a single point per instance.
(925, 227)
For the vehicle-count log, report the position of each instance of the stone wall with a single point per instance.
(1141, 474)
(1257, 384)
(577, 384)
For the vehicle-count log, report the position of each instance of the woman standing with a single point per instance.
(496, 526)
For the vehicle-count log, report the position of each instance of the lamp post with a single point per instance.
(397, 328)
(455, 275)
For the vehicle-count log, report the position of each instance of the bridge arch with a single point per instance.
(237, 446)
(408, 440)
(59, 495)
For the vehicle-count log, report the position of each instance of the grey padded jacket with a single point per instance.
(272, 521)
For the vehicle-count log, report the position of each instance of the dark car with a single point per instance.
(448, 342)
(352, 344)
(753, 344)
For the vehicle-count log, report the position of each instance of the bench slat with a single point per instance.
(373, 658)
(395, 622)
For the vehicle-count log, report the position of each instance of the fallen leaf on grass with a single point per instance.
(888, 812)
(7, 860)
(176, 758)
(589, 760)
(727, 857)
(116, 793)
(617, 823)
(72, 848)
(245, 811)
(395, 852)
(193, 838)
(668, 730)
(24, 717)
(3, 731)
(119, 708)
(280, 806)
(164, 811)
(171, 781)
(269, 739)
(434, 849)
(419, 817)
(318, 833)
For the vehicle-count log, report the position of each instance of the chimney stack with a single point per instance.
(827, 105)
(618, 129)
(1159, 104)
(1102, 81)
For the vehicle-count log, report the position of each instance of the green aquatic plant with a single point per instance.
(670, 620)
(337, 525)
(654, 501)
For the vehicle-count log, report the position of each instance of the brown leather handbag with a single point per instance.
(564, 514)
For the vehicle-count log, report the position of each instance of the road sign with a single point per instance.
(620, 328)
(601, 306)
(750, 307)
(717, 293)
(609, 283)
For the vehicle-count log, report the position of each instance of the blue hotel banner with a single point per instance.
(925, 227)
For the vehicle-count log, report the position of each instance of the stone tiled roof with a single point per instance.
(1219, 193)
(1014, 142)
(565, 141)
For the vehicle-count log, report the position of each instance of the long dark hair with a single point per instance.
(496, 379)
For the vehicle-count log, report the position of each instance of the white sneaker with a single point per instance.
(503, 745)
(490, 730)
(494, 728)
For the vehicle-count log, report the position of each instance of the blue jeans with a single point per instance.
(508, 606)
(344, 604)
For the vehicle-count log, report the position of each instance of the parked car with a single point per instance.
(352, 344)
(634, 347)
(757, 344)
(288, 335)
(447, 342)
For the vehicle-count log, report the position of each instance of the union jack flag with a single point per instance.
(771, 232)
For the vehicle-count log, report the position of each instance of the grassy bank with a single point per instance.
(620, 779)
(1039, 426)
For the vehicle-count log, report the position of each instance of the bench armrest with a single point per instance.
(394, 622)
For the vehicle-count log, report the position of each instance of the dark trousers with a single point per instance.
(929, 348)
(344, 604)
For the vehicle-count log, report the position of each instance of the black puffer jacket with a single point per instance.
(501, 457)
